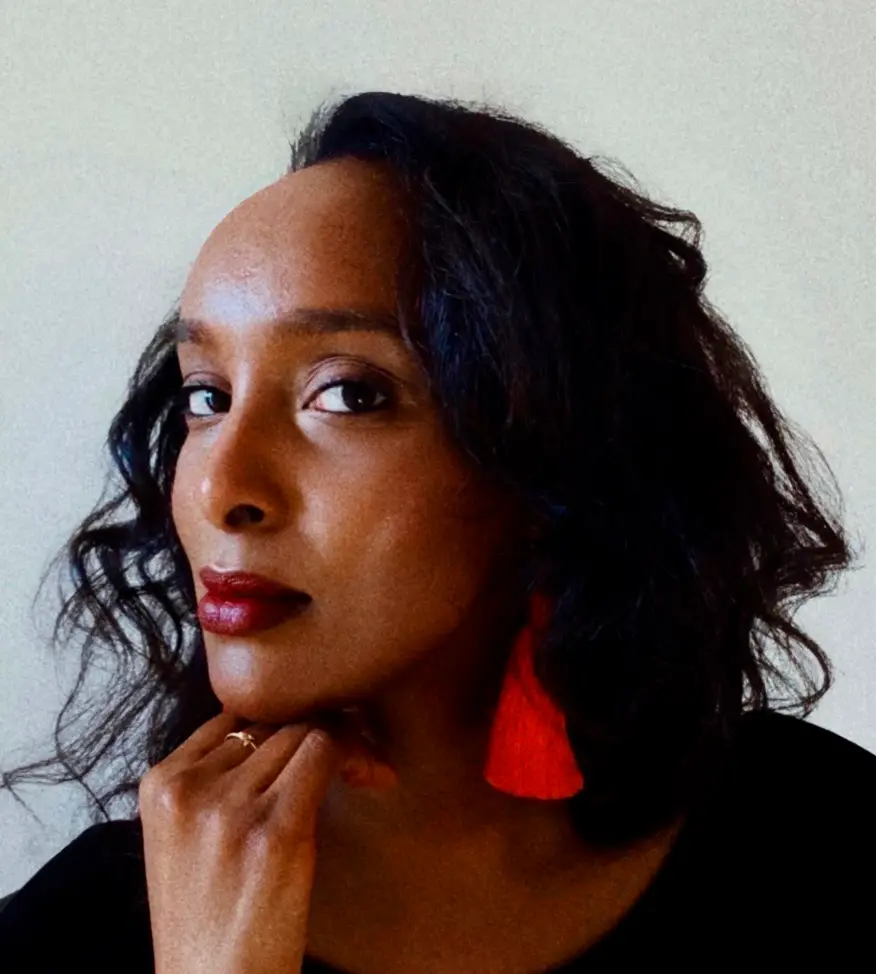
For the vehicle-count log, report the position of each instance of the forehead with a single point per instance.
(327, 236)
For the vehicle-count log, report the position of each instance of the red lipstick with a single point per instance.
(232, 617)
(242, 602)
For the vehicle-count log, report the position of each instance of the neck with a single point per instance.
(432, 726)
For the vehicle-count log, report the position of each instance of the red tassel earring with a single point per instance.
(529, 754)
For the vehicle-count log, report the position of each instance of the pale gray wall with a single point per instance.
(129, 130)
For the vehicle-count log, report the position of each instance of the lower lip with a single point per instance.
(233, 617)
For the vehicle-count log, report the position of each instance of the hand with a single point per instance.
(229, 839)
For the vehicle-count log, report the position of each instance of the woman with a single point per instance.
(460, 396)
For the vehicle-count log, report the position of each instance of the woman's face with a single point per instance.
(352, 494)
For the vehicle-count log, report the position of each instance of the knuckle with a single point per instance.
(167, 795)
(149, 787)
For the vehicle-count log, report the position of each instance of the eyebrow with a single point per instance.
(303, 321)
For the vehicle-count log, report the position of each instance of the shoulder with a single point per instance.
(786, 760)
(92, 853)
(776, 861)
(796, 835)
(96, 882)
(794, 783)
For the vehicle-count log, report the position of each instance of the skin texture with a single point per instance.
(405, 554)
(229, 836)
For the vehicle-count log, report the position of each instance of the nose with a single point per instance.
(246, 476)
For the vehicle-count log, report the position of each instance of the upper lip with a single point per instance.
(240, 584)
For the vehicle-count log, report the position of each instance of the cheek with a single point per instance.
(397, 533)
(410, 542)
(181, 510)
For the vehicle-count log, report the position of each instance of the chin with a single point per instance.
(276, 713)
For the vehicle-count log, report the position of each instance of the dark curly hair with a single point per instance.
(560, 317)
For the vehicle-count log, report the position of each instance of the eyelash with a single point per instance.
(180, 398)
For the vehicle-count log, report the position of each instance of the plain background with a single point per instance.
(130, 129)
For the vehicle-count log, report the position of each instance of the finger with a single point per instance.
(299, 787)
(204, 740)
(262, 768)
(253, 776)
(233, 753)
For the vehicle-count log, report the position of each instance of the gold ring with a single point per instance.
(244, 737)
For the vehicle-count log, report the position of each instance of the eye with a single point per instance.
(356, 392)
(360, 391)
(181, 399)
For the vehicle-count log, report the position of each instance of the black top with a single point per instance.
(777, 870)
